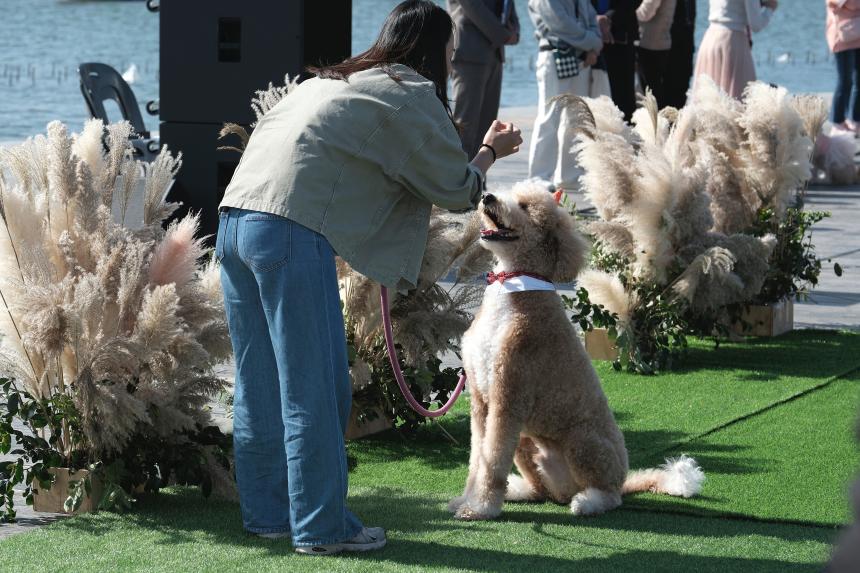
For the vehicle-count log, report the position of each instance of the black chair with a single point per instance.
(100, 82)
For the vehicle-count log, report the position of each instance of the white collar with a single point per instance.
(519, 284)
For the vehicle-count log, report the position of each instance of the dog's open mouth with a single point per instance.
(500, 232)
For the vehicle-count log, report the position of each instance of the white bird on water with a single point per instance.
(131, 75)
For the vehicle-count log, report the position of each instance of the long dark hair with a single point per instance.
(415, 34)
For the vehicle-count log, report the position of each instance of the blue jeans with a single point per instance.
(293, 393)
(848, 73)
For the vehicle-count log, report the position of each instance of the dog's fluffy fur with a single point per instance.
(536, 400)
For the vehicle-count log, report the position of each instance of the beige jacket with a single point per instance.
(655, 24)
(360, 162)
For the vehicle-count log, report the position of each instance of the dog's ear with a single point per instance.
(571, 249)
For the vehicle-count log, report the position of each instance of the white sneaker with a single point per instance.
(367, 539)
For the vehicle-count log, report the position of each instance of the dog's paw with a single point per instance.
(455, 503)
(594, 501)
(466, 513)
(469, 511)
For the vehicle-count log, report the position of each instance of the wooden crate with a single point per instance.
(356, 430)
(599, 346)
(52, 500)
(767, 320)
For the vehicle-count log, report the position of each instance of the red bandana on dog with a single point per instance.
(503, 276)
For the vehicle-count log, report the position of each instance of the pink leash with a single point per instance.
(395, 363)
(398, 374)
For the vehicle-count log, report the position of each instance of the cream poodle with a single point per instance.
(536, 400)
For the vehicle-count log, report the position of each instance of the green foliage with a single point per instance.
(606, 260)
(30, 430)
(589, 315)
(794, 269)
(656, 332)
(431, 385)
(651, 341)
(35, 455)
(794, 266)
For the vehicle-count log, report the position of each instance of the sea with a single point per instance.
(42, 42)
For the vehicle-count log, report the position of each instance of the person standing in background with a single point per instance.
(655, 41)
(562, 26)
(677, 81)
(620, 30)
(726, 52)
(482, 30)
(843, 37)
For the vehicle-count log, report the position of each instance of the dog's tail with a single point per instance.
(681, 477)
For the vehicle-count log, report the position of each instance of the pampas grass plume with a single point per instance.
(606, 290)
(676, 194)
(91, 309)
(175, 259)
(88, 147)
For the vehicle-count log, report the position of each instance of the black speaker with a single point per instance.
(214, 55)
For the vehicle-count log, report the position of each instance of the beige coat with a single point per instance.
(360, 162)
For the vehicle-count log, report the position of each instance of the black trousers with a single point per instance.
(653, 72)
(681, 65)
(621, 68)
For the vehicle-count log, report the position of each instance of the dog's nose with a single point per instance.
(488, 198)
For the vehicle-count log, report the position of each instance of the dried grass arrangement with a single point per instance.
(109, 325)
(678, 196)
(427, 321)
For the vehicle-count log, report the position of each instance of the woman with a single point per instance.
(562, 24)
(655, 42)
(350, 162)
(726, 52)
(843, 37)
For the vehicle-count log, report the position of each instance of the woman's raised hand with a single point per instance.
(504, 138)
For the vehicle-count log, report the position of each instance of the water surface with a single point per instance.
(43, 41)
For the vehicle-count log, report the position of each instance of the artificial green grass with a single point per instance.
(714, 386)
(788, 463)
(736, 408)
(178, 532)
(664, 415)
